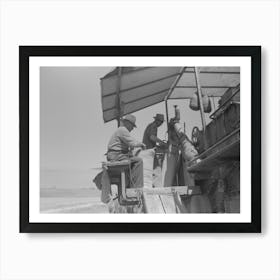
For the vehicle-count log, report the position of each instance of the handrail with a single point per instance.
(215, 145)
(222, 106)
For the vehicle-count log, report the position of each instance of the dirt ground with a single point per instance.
(78, 200)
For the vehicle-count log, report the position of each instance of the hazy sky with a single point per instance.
(72, 132)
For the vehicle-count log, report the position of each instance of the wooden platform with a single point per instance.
(163, 200)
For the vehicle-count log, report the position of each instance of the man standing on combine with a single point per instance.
(150, 138)
(119, 149)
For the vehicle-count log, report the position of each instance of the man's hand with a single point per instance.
(163, 145)
(143, 146)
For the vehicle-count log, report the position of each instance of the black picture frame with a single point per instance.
(254, 52)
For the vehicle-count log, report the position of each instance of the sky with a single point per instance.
(73, 135)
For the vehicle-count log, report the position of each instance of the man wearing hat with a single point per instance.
(150, 138)
(120, 144)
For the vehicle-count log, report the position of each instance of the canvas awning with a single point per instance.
(129, 89)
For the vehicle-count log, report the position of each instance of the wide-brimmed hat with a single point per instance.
(159, 117)
(130, 118)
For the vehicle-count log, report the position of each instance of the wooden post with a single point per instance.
(167, 115)
(199, 94)
(118, 96)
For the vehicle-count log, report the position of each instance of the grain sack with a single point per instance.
(157, 177)
(148, 163)
(206, 103)
(188, 150)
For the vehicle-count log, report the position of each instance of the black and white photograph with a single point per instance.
(140, 139)
(113, 136)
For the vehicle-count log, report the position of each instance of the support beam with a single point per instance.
(118, 96)
(166, 112)
(175, 83)
(199, 93)
(189, 70)
(170, 92)
(224, 86)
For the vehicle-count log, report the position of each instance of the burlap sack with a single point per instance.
(148, 163)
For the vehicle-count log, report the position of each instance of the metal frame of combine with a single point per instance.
(129, 89)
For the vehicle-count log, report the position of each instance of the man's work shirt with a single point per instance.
(121, 141)
(150, 130)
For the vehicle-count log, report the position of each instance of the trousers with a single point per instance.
(136, 167)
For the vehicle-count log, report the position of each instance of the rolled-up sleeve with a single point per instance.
(153, 132)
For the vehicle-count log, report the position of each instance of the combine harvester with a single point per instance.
(197, 175)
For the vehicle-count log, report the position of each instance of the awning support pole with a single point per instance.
(170, 92)
(118, 95)
(166, 111)
(199, 93)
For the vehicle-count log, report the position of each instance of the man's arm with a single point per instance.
(153, 136)
(156, 139)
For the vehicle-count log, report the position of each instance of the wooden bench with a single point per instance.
(120, 174)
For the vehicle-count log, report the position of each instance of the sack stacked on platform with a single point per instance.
(148, 163)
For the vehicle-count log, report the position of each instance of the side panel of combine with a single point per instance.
(217, 168)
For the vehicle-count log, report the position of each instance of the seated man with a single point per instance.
(119, 145)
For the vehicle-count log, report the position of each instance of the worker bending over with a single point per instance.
(150, 138)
